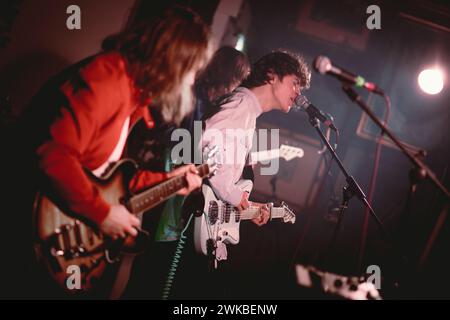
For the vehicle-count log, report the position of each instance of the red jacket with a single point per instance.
(88, 131)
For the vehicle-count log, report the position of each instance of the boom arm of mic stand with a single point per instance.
(421, 168)
(414, 159)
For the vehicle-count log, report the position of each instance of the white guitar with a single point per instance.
(219, 223)
(286, 152)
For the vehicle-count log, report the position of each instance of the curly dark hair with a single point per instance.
(160, 51)
(279, 63)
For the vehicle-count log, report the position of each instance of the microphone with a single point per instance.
(302, 103)
(323, 65)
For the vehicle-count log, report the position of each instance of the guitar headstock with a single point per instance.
(288, 214)
(211, 157)
(289, 152)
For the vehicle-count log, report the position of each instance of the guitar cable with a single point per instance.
(175, 261)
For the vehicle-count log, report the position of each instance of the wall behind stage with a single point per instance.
(41, 44)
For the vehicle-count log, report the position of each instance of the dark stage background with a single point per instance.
(35, 44)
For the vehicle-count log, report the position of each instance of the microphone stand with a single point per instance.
(273, 184)
(419, 172)
(421, 167)
(415, 177)
(349, 191)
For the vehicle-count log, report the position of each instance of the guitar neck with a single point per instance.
(264, 155)
(253, 212)
(150, 198)
(286, 152)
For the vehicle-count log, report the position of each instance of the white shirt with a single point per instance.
(232, 130)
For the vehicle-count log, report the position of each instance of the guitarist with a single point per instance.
(80, 119)
(274, 82)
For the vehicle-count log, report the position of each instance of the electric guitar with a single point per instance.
(286, 152)
(219, 223)
(64, 240)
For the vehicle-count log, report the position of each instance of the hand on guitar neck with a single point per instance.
(120, 222)
(264, 214)
(193, 180)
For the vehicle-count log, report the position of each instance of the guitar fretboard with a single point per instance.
(254, 212)
(154, 196)
(264, 155)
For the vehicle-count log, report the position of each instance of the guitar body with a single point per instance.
(77, 256)
(67, 243)
(219, 222)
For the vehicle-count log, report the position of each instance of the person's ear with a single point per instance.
(272, 77)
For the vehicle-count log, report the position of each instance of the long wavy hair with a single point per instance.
(160, 53)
